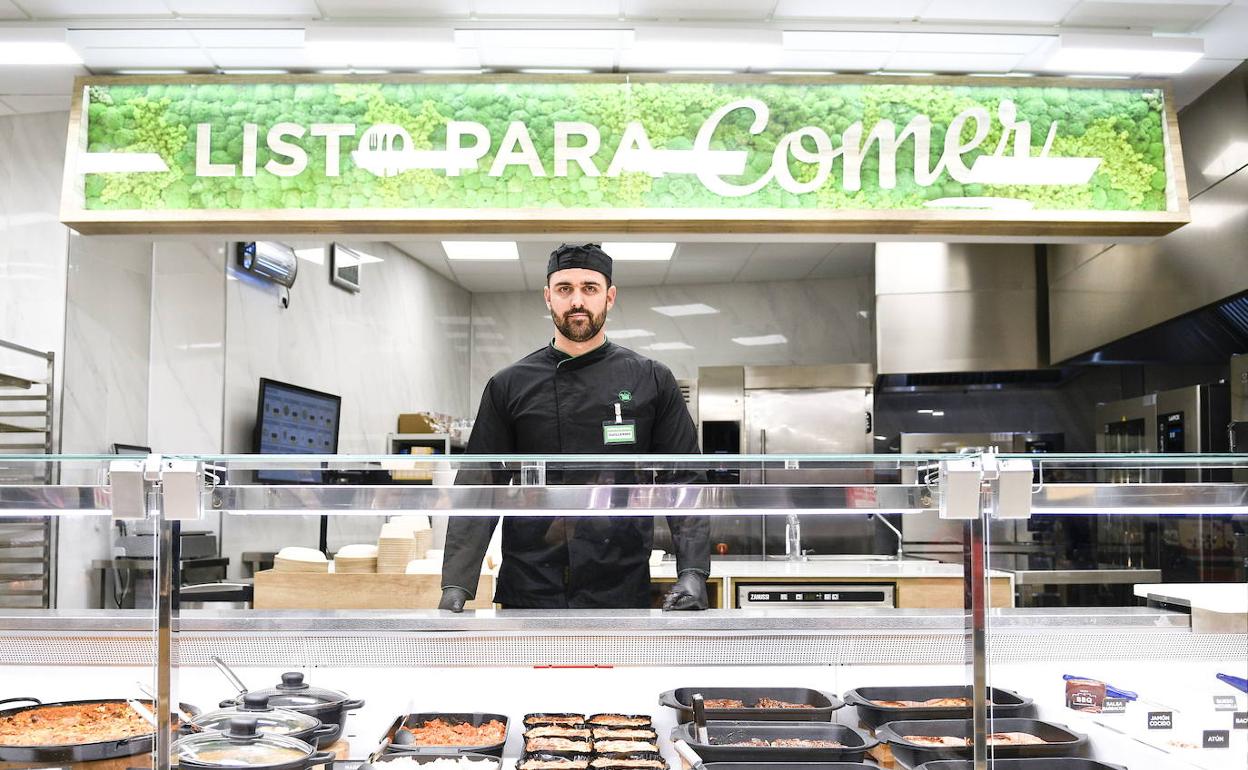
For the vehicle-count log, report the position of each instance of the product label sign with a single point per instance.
(1114, 706)
(1216, 739)
(1161, 720)
(1225, 703)
(217, 144)
(1240, 720)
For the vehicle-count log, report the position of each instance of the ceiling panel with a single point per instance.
(428, 254)
(1159, 16)
(772, 267)
(952, 62)
(896, 10)
(591, 58)
(699, 9)
(258, 57)
(37, 103)
(628, 274)
(848, 260)
(395, 9)
(292, 37)
(39, 80)
(975, 42)
(6, 109)
(579, 9)
(1031, 11)
(708, 262)
(270, 8)
(1200, 77)
(145, 58)
(1225, 34)
(10, 11)
(66, 9)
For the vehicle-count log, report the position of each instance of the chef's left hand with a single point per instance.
(689, 592)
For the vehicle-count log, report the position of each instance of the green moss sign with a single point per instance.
(602, 154)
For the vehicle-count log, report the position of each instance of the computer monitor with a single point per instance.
(294, 420)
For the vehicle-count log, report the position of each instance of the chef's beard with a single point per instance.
(583, 331)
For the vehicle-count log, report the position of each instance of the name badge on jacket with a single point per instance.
(624, 432)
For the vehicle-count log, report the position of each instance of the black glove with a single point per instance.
(689, 592)
(453, 599)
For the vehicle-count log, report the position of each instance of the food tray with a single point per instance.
(790, 766)
(552, 755)
(1005, 703)
(856, 743)
(1035, 763)
(415, 720)
(425, 759)
(1061, 740)
(824, 704)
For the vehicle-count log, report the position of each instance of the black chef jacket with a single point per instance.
(550, 402)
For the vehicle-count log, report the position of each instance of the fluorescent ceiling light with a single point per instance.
(669, 346)
(255, 72)
(675, 311)
(453, 71)
(702, 72)
(152, 72)
(484, 251)
(630, 251)
(544, 38)
(556, 71)
(353, 71)
(1123, 54)
(938, 413)
(925, 411)
(904, 73)
(628, 334)
(1001, 74)
(881, 438)
(765, 339)
(37, 53)
(824, 40)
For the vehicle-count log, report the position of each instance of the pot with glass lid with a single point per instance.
(243, 745)
(286, 722)
(294, 694)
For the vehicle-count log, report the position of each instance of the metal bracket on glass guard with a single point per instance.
(129, 482)
(1010, 481)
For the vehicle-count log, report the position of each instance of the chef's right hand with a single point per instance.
(453, 599)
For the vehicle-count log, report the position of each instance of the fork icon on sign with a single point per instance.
(388, 147)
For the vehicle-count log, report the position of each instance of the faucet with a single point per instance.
(901, 551)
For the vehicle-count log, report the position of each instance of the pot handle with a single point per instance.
(669, 699)
(352, 705)
(321, 758)
(324, 730)
(35, 701)
(229, 674)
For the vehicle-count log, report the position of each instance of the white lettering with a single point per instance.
(823, 155)
(517, 135)
(250, 134)
(460, 157)
(332, 132)
(955, 148)
(634, 153)
(583, 156)
(298, 157)
(706, 132)
(203, 154)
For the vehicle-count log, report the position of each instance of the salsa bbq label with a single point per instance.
(594, 145)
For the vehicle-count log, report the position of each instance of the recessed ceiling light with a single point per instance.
(765, 339)
(19, 53)
(881, 438)
(482, 251)
(669, 346)
(556, 71)
(354, 71)
(675, 311)
(251, 71)
(1001, 74)
(925, 411)
(609, 39)
(905, 74)
(938, 413)
(628, 334)
(630, 251)
(702, 72)
(800, 72)
(452, 71)
(1125, 54)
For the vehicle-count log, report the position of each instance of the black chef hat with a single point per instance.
(587, 255)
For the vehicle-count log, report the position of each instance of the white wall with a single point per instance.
(826, 321)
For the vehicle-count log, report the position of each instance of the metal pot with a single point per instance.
(243, 745)
(77, 752)
(329, 706)
(286, 722)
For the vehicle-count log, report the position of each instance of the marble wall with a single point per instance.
(825, 321)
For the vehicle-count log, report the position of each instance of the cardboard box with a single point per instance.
(424, 422)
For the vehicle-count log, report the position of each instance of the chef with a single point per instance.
(580, 394)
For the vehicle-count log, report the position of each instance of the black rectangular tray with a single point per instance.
(857, 743)
(824, 704)
(475, 719)
(790, 766)
(1005, 703)
(425, 759)
(1062, 740)
(1035, 763)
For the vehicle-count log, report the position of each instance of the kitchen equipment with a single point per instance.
(689, 755)
(243, 745)
(1034, 763)
(823, 704)
(855, 742)
(814, 596)
(329, 706)
(294, 724)
(1059, 739)
(395, 736)
(871, 713)
(75, 752)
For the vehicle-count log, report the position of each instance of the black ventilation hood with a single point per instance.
(1210, 335)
